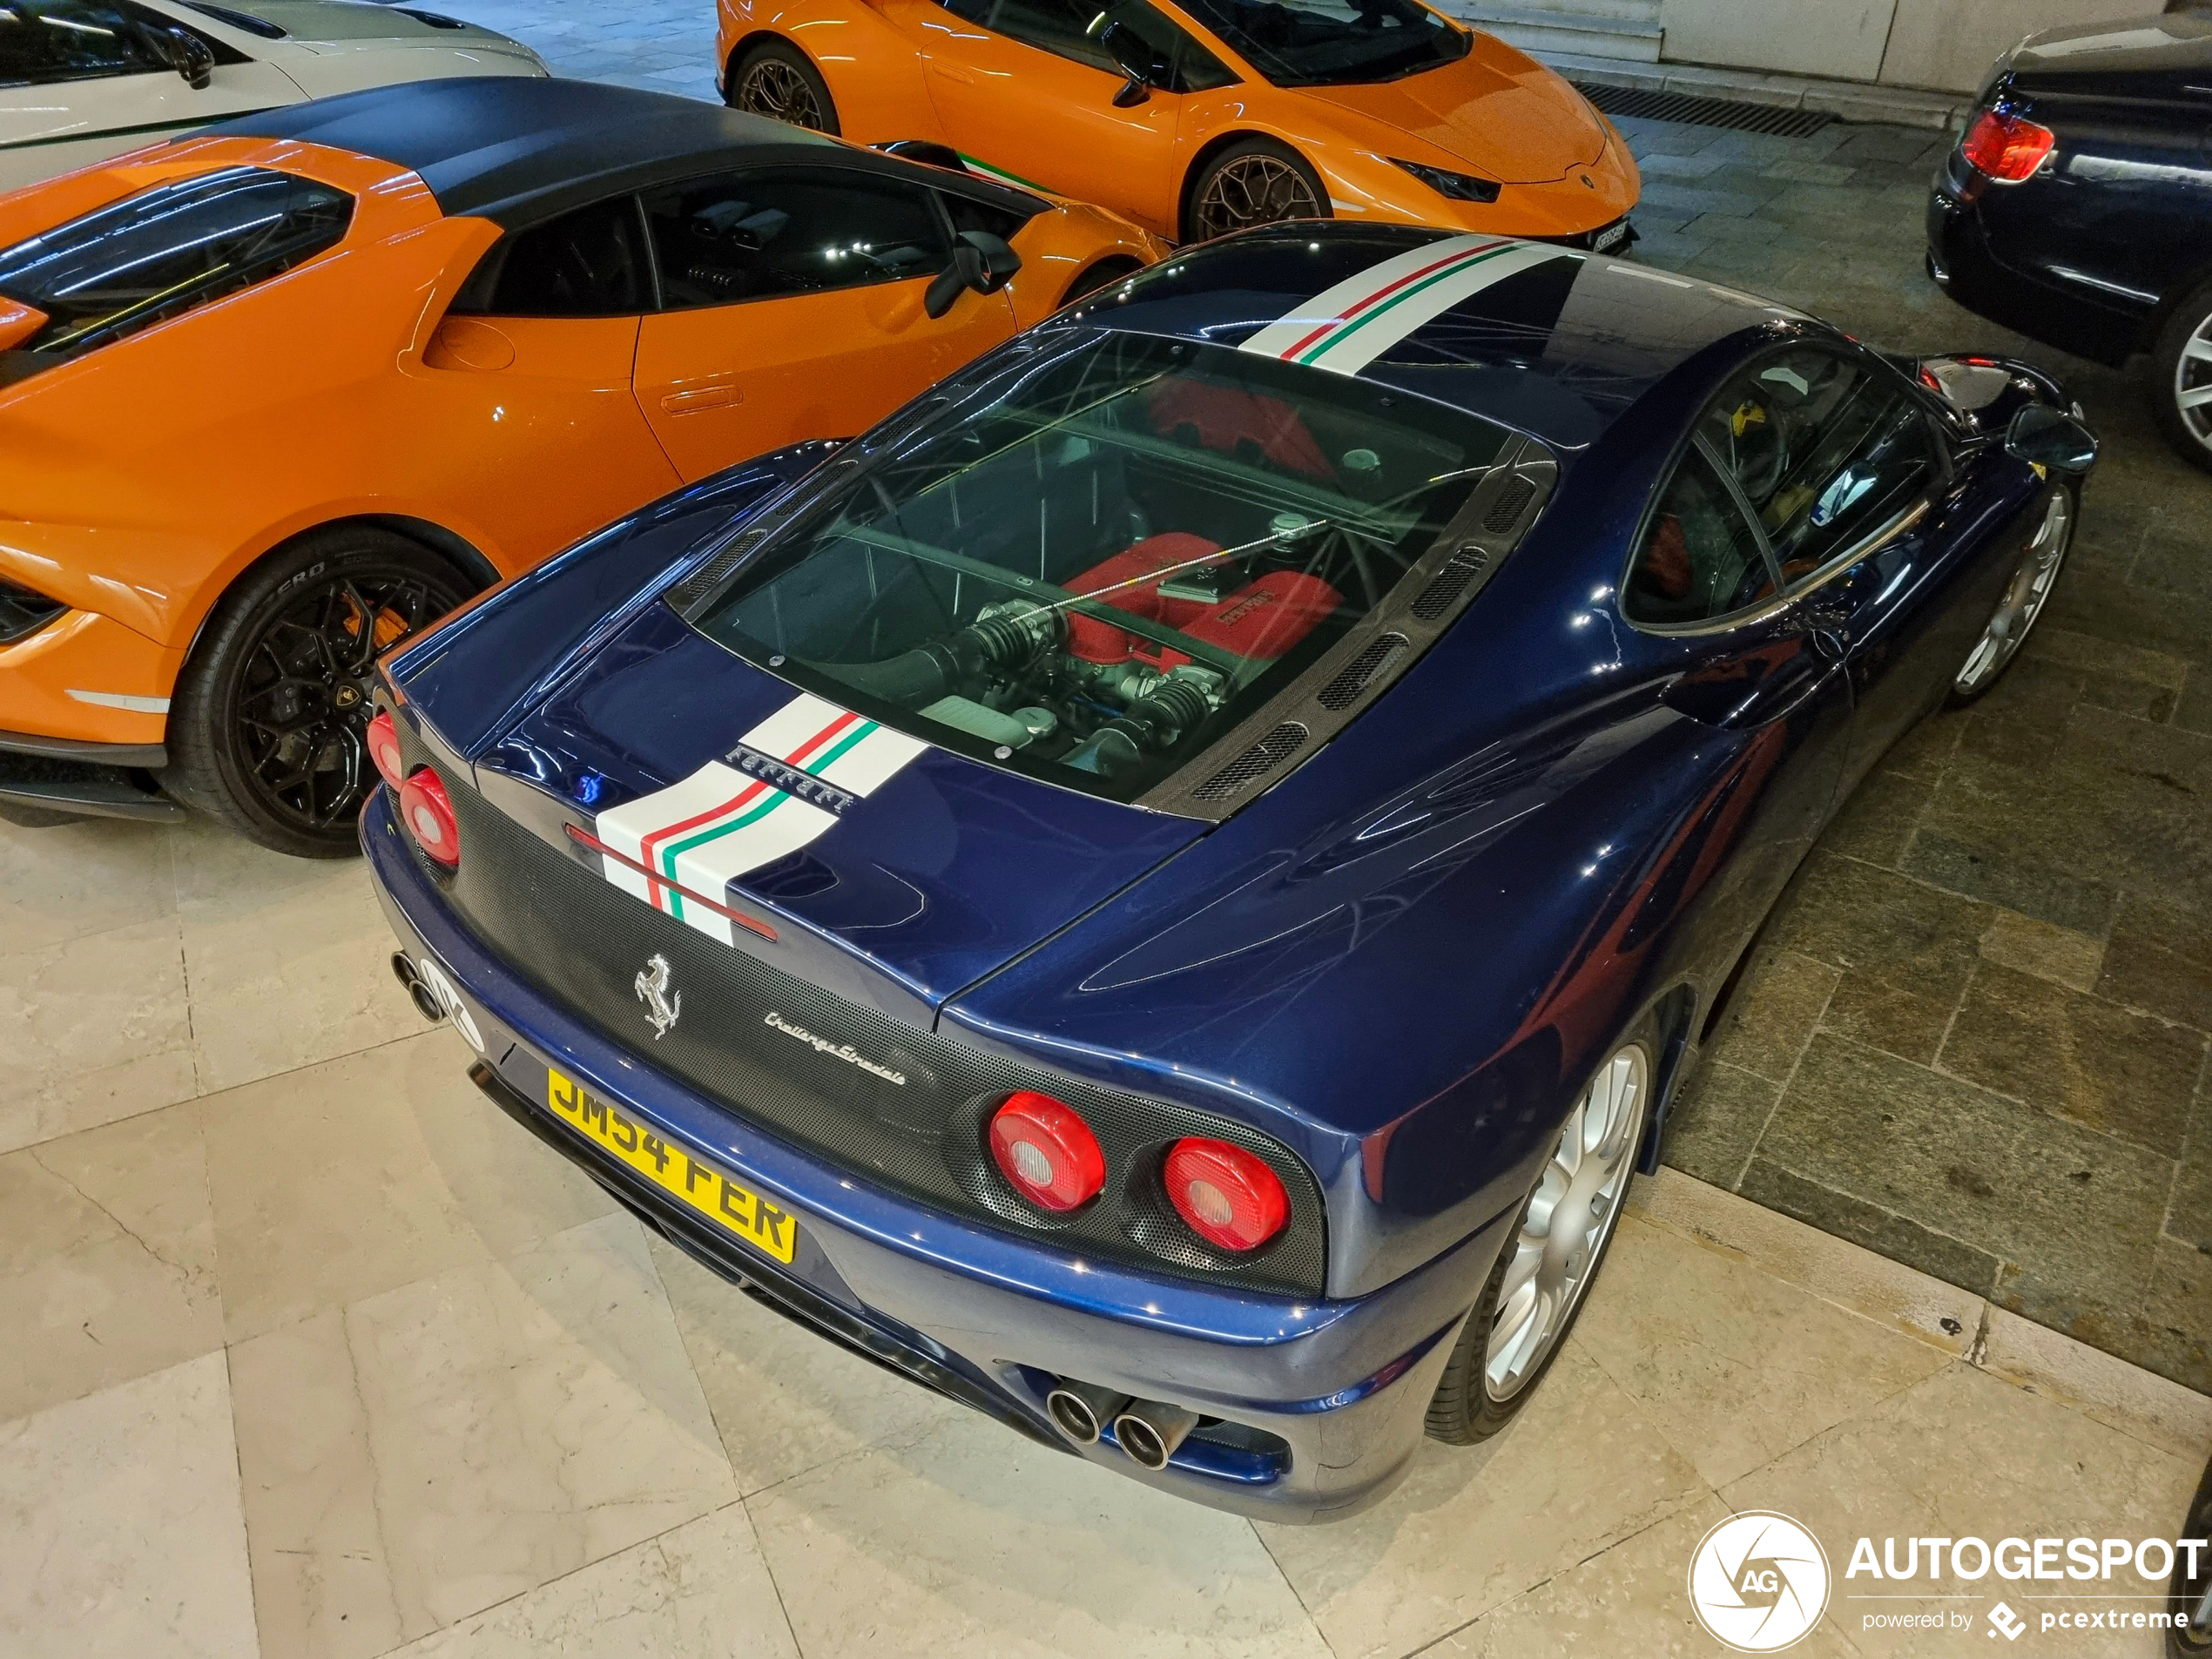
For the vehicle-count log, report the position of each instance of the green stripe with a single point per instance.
(1000, 172)
(1396, 300)
(863, 729)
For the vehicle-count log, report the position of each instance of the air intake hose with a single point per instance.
(1004, 638)
(1154, 722)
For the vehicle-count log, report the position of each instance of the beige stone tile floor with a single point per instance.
(310, 1353)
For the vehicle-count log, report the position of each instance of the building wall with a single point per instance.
(1947, 44)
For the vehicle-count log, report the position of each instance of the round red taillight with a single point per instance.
(384, 749)
(2009, 148)
(1228, 1197)
(1047, 1151)
(429, 811)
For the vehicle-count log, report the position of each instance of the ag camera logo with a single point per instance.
(1758, 1583)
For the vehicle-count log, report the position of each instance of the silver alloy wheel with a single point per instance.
(2037, 574)
(1569, 1218)
(2192, 383)
(1254, 189)
(771, 87)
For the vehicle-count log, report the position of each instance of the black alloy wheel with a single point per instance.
(775, 80)
(268, 731)
(1254, 181)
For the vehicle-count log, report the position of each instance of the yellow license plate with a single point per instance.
(705, 1188)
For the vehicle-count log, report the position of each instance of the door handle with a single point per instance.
(700, 398)
(952, 74)
(1827, 642)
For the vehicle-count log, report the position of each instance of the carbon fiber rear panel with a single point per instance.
(583, 942)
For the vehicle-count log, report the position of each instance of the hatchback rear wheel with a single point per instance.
(268, 731)
(1537, 1287)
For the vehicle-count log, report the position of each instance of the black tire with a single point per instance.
(2190, 1593)
(2059, 497)
(267, 729)
(776, 80)
(1253, 182)
(1465, 1409)
(1103, 274)
(2171, 372)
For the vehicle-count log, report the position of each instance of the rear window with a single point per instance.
(152, 256)
(1095, 573)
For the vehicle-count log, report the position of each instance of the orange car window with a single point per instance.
(1333, 43)
(762, 235)
(587, 263)
(149, 257)
(1071, 29)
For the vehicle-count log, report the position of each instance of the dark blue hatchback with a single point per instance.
(1164, 892)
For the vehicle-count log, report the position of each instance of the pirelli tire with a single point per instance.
(268, 722)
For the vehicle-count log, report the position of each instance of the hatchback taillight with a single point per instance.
(428, 813)
(2009, 148)
(384, 749)
(1224, 1194)
(1047, 1152)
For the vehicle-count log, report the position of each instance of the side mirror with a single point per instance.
(2044, 436)
(980, 261)
(1134, 57)
(188, 55)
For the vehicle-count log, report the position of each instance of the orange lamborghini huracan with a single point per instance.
(1199, 117)
(274, 395)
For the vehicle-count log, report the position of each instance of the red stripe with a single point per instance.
(649, 845)
(584, 838)
(1384, 294)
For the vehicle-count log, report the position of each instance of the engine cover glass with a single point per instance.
(1109, 559)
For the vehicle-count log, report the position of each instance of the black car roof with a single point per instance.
(1558, 349)
(518, 149)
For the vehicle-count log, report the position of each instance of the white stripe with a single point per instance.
(118, 700)
(872, 762)
(1351, 350)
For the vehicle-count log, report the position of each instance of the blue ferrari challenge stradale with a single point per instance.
(1165, 890)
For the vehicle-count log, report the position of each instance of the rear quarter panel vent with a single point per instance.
(1255, 762)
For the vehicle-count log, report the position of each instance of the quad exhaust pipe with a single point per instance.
(425, 999)
(1150, 1430)
(1083, 1410)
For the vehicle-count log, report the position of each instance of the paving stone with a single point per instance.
(1717, 1122)
(1882, 1230)
(2084, 1059)
(1773, 1012)
(2189, 1213)
(2048, 895)
(2169, 1331)
(2048, 952)
(2160, 960)
(1878, 820)
(2068, 1208)
(1904, 950)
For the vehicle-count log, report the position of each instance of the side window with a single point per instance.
(45, 41)
(763, 235)
(1701, 560)
(1826, 450)
(1070, 28)
(590, 262)
(141, 261)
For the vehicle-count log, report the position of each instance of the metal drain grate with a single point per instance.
(1703, 111)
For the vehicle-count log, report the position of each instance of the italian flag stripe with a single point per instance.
(702, 833)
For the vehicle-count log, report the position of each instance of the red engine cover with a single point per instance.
(1259, 622)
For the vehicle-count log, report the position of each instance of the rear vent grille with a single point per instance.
(1629, 102)
(1344, 690)
(1506, 511)
(709, 576)
(1450, 582)
(1257, 761)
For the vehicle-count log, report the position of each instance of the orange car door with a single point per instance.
(526, 404)
(1024, 87)
(792, 308)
